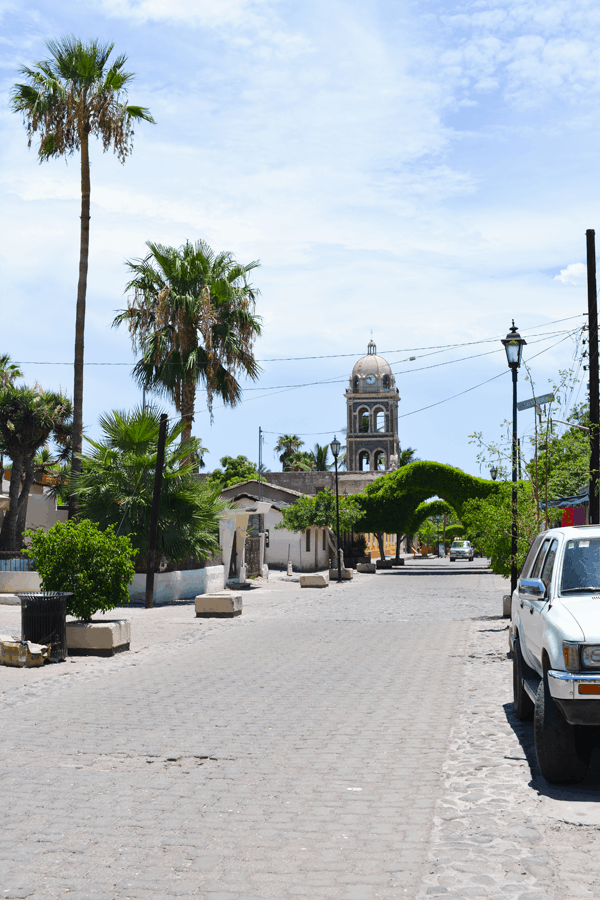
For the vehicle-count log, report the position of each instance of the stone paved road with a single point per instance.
(323, 745)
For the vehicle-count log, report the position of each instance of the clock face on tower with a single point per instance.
(370, 379)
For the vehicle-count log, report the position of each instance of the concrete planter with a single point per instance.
(98, 638)
(223, 605)
(186, 585)
(367, 568)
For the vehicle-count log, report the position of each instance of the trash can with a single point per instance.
(44, 621)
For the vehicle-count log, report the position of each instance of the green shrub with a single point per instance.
(96, 566)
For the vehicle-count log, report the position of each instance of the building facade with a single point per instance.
(372, 408)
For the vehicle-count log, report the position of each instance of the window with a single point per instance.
(386, 382)
(363, 461)
(379, 420)
(581, 565)
(363, 420)
(549, 564)
(308, 540)
(537, 566)
(355, 383)
(531, 556)
(380, 460)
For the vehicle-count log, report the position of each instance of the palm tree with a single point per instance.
(117, 482)
(66, 98)
(299, 461)
(285, 446)
(320, 456)
(28, 417)
(192, 316)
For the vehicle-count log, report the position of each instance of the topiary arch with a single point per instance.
(391, 503)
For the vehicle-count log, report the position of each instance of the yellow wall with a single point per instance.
(389, 543)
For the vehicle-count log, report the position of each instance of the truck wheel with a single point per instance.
(562, 752)
(522, 702)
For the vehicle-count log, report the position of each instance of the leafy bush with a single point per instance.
(320, 512)
(96, 566)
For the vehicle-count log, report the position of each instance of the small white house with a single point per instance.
(308, 551)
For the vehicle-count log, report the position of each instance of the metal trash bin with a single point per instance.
(44, 621)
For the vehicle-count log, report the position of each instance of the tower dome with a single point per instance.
(370, 371)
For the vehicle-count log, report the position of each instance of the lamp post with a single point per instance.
(513, 344)
(335, 449)
(493, 473)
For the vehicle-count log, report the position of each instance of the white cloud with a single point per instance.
(575, 273)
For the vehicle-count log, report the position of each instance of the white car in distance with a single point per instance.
(462, 550)
(555, 642)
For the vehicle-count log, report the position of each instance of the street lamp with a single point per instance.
(493, 473)
(335, 449)
(513, 344)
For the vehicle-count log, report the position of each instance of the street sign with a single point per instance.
(535, 401)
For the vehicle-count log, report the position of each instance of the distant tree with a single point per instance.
(28, 418)
(9, 372)
(300, 461)
(285, 446)
(66, 98)
(235, 470)
(320, 456)
(320, 512)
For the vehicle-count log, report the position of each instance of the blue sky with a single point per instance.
(424, 170)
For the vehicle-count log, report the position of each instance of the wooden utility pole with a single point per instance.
(593, 373)
(152, 537)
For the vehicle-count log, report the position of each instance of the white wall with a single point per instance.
(41, 510)
(314, 560)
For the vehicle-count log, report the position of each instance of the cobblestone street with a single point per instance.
(349, 743)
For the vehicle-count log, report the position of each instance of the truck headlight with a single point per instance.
(590, 656)
(571, 655)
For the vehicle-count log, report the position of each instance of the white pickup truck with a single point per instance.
(555, 642)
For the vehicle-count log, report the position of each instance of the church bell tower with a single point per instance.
(372, 403)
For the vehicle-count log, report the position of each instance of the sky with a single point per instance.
(422, 172)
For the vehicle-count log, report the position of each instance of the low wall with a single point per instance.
(179, 585)
(13, 582)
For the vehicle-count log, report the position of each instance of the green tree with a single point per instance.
(9, 372)
(320, 456)
(300, 461)
(116, 485)
(235, 470)
(95, 566)
(285, 446)
(76, 93)
(487, 522)
(28, 418)
(319, 512)
(192, 315)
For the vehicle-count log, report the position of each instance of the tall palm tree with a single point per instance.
(286, 445)
(192, 316)
(66, 98)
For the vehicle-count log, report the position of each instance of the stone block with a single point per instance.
(315, 580)
(265, 572)
(218, 606)
(397, 562)
(506, 606)
(369, 568)
(347, 574)
(101, 638)
(384, 563)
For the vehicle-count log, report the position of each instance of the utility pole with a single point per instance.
(593, 373)
(260, 443)
(152, 537)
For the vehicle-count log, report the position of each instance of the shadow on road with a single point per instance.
(567, 802)
(409, 571)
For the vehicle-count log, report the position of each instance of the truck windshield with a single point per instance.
(458, 545)
(581, 566)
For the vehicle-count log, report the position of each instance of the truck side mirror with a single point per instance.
(532, 587)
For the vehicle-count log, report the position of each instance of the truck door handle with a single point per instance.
(531, 610)
(522, 604)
